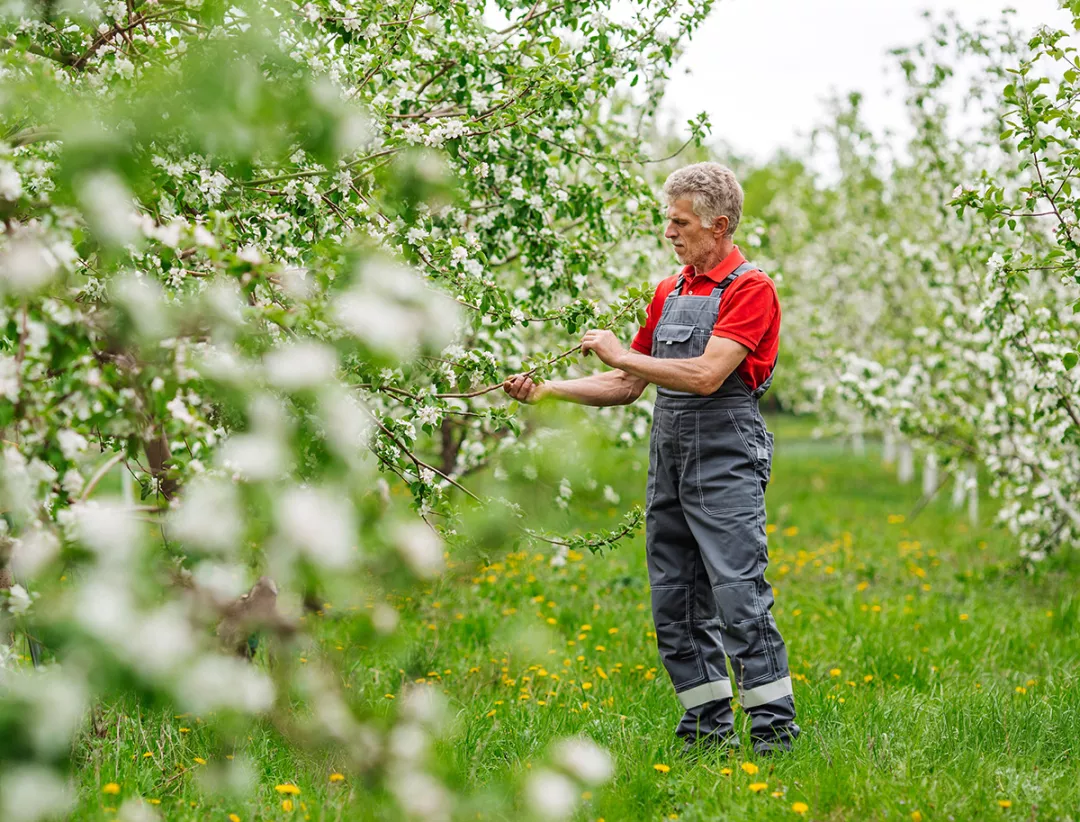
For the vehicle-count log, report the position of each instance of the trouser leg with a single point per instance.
(714, 716)
(726, 514)
(684, 611)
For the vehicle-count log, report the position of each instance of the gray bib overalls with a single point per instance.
(709, 463)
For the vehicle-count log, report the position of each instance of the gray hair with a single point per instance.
(713, 190)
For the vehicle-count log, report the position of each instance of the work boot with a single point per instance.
(708, 743)
(779, 742)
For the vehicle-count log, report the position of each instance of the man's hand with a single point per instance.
(605, 344)
(523, 389)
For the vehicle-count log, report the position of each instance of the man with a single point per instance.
(710, 345)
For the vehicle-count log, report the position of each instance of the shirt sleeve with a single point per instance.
(643, 339)
(749, 308)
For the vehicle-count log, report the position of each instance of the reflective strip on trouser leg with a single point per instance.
(764, 694)
(708, 692)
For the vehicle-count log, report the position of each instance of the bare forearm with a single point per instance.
(690, 374)
(599, 390)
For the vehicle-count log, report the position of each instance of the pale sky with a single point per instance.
(762, 68)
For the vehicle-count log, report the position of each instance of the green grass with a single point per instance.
(933, 675)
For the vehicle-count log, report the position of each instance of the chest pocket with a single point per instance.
(669, 333)
(674, 340)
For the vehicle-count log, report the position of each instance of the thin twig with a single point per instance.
(419, 463)
(101, 472)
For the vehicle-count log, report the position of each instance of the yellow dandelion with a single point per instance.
(1020, 689)
(200, 761)
(185, 730)
(749, 768)
(916, 816)
(896, 519)
(661, 768)
(110, 788)
(586, 685)
(791, 531)
(1004, 803)
(154, 801)
(725, 771)
(613, 630)
(963, 617)
(758, 787)
(286, 805)
(800, 807)
(835, 672)
(289, 789)
(337, 777)
(148, 754)
(234, 818)
(388, 696)
(868, 678)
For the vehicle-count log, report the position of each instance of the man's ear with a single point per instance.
(720, 226)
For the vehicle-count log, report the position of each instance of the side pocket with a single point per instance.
(726, 475)
(752, 449)
(772, 450)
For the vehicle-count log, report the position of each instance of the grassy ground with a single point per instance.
(934, 678)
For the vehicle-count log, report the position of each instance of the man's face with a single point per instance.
(692, 242)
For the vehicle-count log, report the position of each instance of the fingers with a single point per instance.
(520, 387)
(588, 342)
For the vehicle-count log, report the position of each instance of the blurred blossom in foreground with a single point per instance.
(32, 792)
(551, 795)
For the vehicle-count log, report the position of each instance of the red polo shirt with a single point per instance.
(749, 314)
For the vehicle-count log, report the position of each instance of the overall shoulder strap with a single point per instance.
(730, 278)
(677, 290)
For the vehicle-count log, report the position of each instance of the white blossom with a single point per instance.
(585, 759)
(18, 600)
(421, 548)
(32, 792)
(11, 187)
(320, 522)
(302, 365)
(26, 267)
(550, 794)
(216, 683)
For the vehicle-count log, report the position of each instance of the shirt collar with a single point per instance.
(726, 266)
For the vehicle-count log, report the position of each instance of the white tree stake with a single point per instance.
(906, 469)
(858, 443)
(959, 491)
(973, 496)
(888, 451)
(930, 475)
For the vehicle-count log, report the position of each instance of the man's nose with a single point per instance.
(671, 232)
